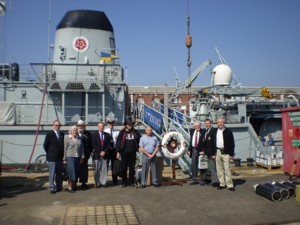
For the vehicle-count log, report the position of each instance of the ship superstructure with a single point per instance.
(84, 81)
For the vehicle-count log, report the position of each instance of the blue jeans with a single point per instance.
(55, 173)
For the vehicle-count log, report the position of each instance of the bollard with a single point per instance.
(250, 162)
(237, 162)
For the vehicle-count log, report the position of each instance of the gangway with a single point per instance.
(162, 122)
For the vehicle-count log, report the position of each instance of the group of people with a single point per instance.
(106, 146)
(109, 146)
(217, 144)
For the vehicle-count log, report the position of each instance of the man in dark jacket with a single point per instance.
(111, 157)
(86, 137)
(194, 151)
(225, 152)
(101, 144)
(54, 148)
(127, 146)
(209, 147)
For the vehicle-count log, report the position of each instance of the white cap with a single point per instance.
(80, 122)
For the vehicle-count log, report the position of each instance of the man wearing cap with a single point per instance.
(111, 157)
(86, 137)
(127, 146)
(101, 144)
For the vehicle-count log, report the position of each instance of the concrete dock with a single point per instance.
(25, 199)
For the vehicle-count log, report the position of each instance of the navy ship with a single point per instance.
(84, 82)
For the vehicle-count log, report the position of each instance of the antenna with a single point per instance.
(49, 30)
(176, 77)
(235, 81)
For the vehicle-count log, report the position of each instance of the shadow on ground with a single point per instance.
(12, 186)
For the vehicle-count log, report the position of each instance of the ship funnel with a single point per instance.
(84, 34)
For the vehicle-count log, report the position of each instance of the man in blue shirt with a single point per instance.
(149, 147)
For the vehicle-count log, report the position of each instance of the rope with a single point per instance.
(38, 128)
(16, 144)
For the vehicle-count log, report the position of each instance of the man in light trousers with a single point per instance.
(225, 152)
(149, 147)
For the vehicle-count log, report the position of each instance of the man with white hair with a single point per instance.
(194, 151)
(86, 137)
(225, 152)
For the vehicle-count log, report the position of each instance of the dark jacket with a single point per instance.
(191, 140)
(87, 144)
(54, 147)
(207, 144)
(97, 144)
(228, 141)
(121, 140)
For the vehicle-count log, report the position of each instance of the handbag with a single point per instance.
(203, 163)
(117, 168)
(64, 174)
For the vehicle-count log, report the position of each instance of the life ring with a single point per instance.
(165, 142)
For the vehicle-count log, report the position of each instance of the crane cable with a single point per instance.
(188, 43)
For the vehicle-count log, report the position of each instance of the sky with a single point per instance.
(259, 39)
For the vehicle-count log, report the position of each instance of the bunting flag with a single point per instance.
(106, 57)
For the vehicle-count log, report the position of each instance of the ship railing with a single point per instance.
(161, 123)
(29, 114)
(79, 76)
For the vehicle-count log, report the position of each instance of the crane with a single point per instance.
(189, 81)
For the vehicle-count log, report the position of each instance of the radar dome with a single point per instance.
(222, 75)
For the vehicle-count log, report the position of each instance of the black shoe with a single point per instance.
(143, 186)
(104, 186)
(75, 187)
(84, 186)
(58, 190)
(221, 187)
(193, 183)
(98, 186)
(71, 191)
(202, 183)
(214, 184)
(156, 185)
(231, 189)
(123, 185)
(52, 192)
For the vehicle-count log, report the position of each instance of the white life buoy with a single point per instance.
(165, 142)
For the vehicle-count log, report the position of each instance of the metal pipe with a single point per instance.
(284, 192)
(267, 192)
(290, 186)
(291, 190)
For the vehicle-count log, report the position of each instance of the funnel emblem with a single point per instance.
(80, 44)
